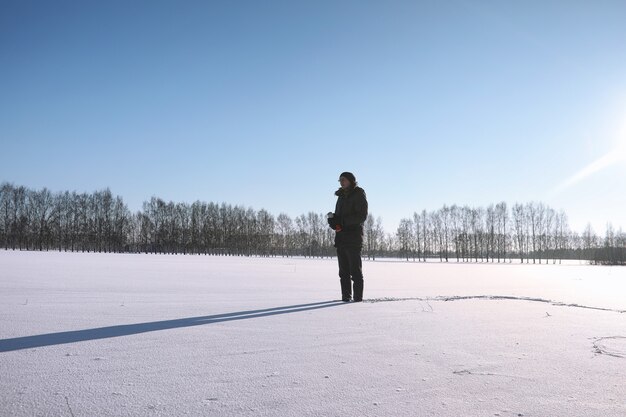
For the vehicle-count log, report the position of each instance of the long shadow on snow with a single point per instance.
(50, 339)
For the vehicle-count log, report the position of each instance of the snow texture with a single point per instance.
(172, 335)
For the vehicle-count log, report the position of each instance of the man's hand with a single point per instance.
(332, 221)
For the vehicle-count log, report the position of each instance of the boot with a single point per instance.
(346, 290)
(358, 290)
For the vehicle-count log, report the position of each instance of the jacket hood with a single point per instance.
(355, 189)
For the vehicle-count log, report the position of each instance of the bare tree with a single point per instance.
(6, 193)
(561, 233)
(490, 232)
(373, 234)
(446, 230)
(284, 227)
(477, 232)
(535, 217)
(548, 241)
(520, 219)
(405, 237)
(590, 242)
(502, 241)
(41, 204)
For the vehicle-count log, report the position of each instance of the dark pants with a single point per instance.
(350, 269)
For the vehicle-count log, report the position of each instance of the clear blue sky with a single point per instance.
(263, 104)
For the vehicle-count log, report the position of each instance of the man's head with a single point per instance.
(347, 180)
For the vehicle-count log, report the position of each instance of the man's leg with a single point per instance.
(344, 274)
(356, 271)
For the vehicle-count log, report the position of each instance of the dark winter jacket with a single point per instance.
(350, 214)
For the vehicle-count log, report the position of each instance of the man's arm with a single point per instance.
(359, 216)
(362, 213)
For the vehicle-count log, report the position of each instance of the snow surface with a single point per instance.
(171, 335)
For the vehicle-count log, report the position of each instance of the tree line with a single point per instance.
(531, 232)
(101, 222)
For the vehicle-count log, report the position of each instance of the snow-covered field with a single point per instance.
(152, 335)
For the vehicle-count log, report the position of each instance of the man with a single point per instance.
(347, 221)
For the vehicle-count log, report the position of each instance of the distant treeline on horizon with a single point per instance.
(100, 222)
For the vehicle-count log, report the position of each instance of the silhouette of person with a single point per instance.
(347, 221)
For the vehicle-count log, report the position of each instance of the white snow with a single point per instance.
(164, 335)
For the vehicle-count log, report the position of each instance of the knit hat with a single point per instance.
(349, 176)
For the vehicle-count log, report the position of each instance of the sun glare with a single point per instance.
(621, 149)
(617, 155)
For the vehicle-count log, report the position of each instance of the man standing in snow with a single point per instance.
(347, 221)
